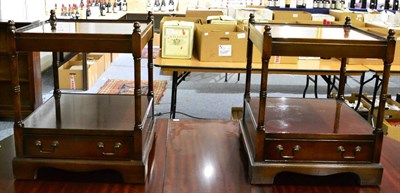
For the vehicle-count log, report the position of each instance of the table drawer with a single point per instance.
(318, 150)
(78, 147)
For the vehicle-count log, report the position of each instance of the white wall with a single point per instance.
(22, 10)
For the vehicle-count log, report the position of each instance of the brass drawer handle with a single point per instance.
(54, 145)
(342, 151)
(117, 145)
(295, 149)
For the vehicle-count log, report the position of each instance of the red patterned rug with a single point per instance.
(114, 86)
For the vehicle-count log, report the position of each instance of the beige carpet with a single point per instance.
(114, 86)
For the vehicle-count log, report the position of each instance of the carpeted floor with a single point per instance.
(115, 86)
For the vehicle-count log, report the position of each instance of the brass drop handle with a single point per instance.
(342, 151)
(117, 145)
(53, 146)
(295, 149)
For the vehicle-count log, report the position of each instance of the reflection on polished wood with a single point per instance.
(311, 116)
(209, 162)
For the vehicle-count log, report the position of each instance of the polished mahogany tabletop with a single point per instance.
(87, 28)
(315, 32)
(86, 112)
(322, 116)
(196, 156)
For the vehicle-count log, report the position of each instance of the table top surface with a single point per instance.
(316, 32)
(198, 156)
(71, 27)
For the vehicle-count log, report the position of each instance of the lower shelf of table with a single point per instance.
(309, 136)
(84, 132)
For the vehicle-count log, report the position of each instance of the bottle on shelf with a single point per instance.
(333, 4)
(287, 3)
(157, 5)
(327, 4)
(343, 3)
(315, 4)
(148, 6)
(339, 4)
(102, 7)
(396, 5)
(387, 5)
(270, 3)
(69, 10)
(81, 5)
(163, 7)
(63, 10)
(124, 6)
(372, 4)
(276, 3)
(171, 6)
(119, 5)
(115, 8)
(108, 6)
(299, 3)
(88, 11)
(320, 4)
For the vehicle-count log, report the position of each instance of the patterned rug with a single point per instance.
(114, 86)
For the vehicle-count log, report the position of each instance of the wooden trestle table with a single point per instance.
(181, 67)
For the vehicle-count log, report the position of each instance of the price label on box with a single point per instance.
(225, 50)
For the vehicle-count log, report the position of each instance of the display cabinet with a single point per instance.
(30, 77)
(85, 132)
(312, 136)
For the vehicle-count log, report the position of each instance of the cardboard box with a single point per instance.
(221, 19)
(392, 118)
(177, 39)
(322, 17)
(71, 75)
(203, 14)
(341, 15)
(220, 43)
(107, 60)
(168, 18)
(98, 59)
(292, 15)
(260, 14)
(364, 107)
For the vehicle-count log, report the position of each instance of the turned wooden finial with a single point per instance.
(347, 22)
(53, 19)
(150, 16)
(391, 35)
(11, 25)
(136, 27)
(251, 19)
(267, 29)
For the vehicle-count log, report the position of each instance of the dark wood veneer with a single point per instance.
(84, 132)
(312, 136)
(29, 74)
